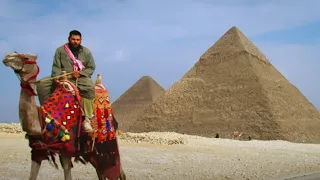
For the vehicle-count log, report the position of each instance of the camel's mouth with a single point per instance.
(6, 62)
(12, 63)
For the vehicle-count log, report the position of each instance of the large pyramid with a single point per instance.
(134, 100)
(233, 87)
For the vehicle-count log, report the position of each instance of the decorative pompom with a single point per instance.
(48, 120)
(61, 134)
(55, 131)
(49, 127)
(63, 138)
(47, 136)
(67, 137)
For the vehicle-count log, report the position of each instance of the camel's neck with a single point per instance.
(28, 112)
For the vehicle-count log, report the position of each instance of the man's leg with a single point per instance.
(88, 112)
(44, 89)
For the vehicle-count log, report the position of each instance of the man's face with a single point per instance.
(75, 40)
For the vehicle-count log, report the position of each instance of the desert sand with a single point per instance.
(176, 156)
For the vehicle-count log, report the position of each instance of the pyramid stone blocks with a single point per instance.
(233, 87)
(134, 100)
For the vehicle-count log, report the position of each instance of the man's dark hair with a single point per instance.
(74, 32)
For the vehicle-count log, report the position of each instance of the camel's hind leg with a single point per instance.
(35, 167)
(66, 165)
(122, 174)
(100, 176)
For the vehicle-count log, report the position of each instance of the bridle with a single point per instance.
(25, 84)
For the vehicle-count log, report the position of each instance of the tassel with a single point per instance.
(106, 113)
(99, 120)
(108, 125)
(99, 116)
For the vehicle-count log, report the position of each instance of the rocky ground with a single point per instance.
(175, 156)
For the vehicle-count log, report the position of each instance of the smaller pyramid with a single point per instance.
(134, 100)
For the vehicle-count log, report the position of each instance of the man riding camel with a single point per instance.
(73, 57)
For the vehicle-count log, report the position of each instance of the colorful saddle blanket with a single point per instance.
(104, 140)
(103, 121)
(60, 117)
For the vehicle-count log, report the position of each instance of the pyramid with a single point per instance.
(135, 99)
(233, 87)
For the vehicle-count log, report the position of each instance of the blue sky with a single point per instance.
(162, 39)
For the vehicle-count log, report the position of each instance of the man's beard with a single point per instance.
(74, 46)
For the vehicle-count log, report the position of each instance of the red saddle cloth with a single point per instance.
(60, 117)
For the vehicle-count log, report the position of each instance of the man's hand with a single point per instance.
(56, 80)
(75, 74)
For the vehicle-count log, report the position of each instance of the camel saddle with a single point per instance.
(60, 117)
(103, 141)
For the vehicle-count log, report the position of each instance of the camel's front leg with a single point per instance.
(35, 167)
(66, 165)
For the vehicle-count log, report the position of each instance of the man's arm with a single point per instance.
(56, 66)
(90, 66)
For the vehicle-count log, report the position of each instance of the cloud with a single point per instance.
(121, 55)
(162, 39)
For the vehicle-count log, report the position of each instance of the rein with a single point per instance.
(25, 84)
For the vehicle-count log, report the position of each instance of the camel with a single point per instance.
(26, 68)
(237, 135)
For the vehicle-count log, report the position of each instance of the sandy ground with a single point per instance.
(199, 158)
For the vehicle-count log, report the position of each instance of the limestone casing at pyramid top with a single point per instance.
(234, 41)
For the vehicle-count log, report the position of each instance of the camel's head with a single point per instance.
(23, 64)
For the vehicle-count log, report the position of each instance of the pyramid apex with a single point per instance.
(136, 98)
(146, 77)
(234, 27)
(146, 86)
(233, 41)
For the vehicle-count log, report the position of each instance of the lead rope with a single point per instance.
(51, 78)
(77, 82)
